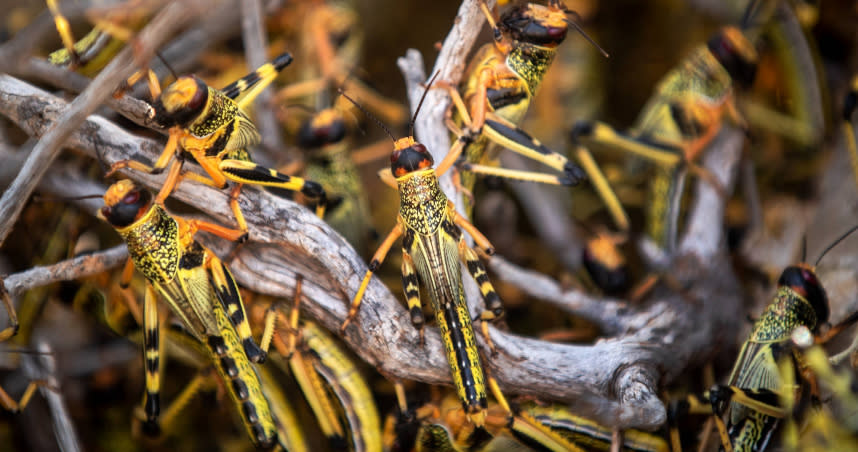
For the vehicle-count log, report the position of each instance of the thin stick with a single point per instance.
(44, 366)
(255, 43)
(78, 267)
(136, 110)
(122, 66)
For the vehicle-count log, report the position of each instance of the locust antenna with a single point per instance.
(577, 27)
(366, 112)
(420, 104)
(40, 198)
(840, 239)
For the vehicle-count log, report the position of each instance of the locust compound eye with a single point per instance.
(809, 277)
(131, 198)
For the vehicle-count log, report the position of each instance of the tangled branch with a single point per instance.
(614, 381)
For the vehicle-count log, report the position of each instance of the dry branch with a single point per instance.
(255, 45)
(134, 109)
(613, 381)
(78, 267)
(43, 366)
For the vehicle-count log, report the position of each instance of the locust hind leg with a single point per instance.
(244, 172)
(411, 286)
(227, 293)
(152, 357)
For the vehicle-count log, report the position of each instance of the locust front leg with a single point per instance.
(376, 261)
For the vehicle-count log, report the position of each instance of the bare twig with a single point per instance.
(136, 110)
(43, 366)
(255, 43)
(78, 267)
(122, 66)
(704, 230)
(612, 316)
(450, 64)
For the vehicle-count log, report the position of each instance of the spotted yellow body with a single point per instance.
(763, 383)
(432, 241)
(211, 126)
(757, 365)
(432, 248)
(200, 291)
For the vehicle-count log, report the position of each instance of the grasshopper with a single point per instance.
(752, 396)
(496, 91)
(201, 291)
(432, 247)
(211, 126)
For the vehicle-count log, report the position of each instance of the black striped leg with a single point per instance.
(510, 136)
(244, 172)
(226, 290)
(494, 306)
(411, 286)
(518, 175)
(247, 88)
(151, 359)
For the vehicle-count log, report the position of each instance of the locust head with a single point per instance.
(124, 203)
(409, 156)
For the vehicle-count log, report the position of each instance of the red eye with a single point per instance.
(131, 198)
(105, 211)
(809, 277)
